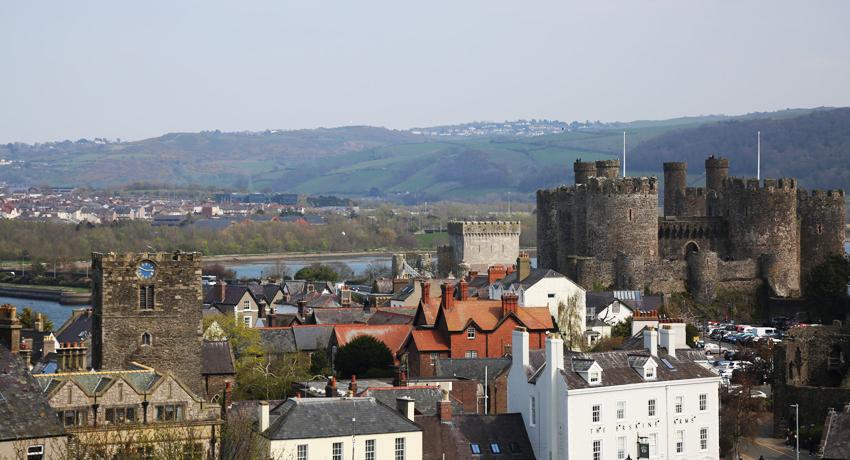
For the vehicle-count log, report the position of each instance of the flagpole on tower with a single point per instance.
(624, 154)
(758, 157)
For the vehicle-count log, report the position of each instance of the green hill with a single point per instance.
(358, 161)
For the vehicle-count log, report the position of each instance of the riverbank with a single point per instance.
(52, 293)
(318, 256)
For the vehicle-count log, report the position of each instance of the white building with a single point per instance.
(339, 429)
(600, 406)
(543, 287)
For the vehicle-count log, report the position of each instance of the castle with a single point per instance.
(477, 245)
(731, 235)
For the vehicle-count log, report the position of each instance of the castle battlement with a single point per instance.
(675, 166)
(751, 183)
(837, 194)
(694, 192)
(622, 185)
(457, 227)
(133, 257)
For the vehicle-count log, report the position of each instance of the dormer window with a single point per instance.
(594, 377)
(644, 365)
(649, 374)
(589, 370)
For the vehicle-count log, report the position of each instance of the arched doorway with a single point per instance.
(691, 247)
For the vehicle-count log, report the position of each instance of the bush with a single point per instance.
(365, 356)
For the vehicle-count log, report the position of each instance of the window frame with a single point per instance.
(246, 321)
(470, 333)
(621, 447)
(147, 339)
(178, 412)
(652, 408)
(703, 402)
(147, 297)
(400, 448)
(37, 454)
(703, 438)
(594, 377)
(621, 410)
(471, 354)
(369, 449)
(680, 441)
(302, 455)
(475, 448)
(596, 413)
(337, 451)
(495, 448)
(679, 404)
(596, 449)
(652, 440)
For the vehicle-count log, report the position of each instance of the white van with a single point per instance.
(764, 331)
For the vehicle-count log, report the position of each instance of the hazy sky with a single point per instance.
(71, 69)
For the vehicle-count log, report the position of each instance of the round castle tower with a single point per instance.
(822, 227)
(621, 214)
(763, 220)
(675, 182)
(608, 168)
(716, 172)
(583, 170)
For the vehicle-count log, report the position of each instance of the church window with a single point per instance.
(146, 339)
(146, 297)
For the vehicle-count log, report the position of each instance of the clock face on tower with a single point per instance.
(146, 270)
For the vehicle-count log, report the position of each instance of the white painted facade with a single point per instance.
(548, 291)
(352, 447)
(565, 423)
(616, 312)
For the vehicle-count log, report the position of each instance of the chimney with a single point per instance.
(448, 298)
(49, 345)
(222, 290)
(444, 408)
(10, 328)
(554, 355)
(263, 415)
(352, 386)
(425, 287)
(464, 290)
(523, 266)
(650, 340)
(345, 296)
(519, 350)
(71, 357)
(509, 303)
(301, 304)
(38, 324)
(405, 405)
(667, 339)
(399, 284)
(330, 388)
(25, 353)
(228, 398)
(496, 273)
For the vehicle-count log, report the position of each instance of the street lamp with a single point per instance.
(797, 422)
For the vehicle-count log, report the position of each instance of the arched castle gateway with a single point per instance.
(731, 234)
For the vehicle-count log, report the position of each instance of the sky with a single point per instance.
(133, 70)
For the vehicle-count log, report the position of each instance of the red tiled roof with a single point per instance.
(429, 340)
(393, 335)
(487, 315)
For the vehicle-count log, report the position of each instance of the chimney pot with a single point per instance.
(405, 405)
(263, 415)
(444, 408)
(448, 298)
(464, 290)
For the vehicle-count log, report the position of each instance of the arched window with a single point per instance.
(147, 339)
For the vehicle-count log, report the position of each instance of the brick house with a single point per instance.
(470, 328)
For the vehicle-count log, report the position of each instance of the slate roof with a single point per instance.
(232, 294)
(617, 368)
(453, 441)
(217, 358)
(24, 411)
(385, 316)
(312, 338)
(425, 397)
(533, 277)
(306, 418)
(278, 339)
(77, 328)
(340, 316)
(836, 438)
(471, 368)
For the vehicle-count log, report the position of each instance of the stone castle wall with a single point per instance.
(174, 324)
(769, 232)
(480, 244)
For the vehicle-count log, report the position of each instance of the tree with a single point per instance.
(278, 270)
(319, 363)
(374, 271)
(738, 413)
(317, 272)
(571, 323)
(270, 377)
(27, 318)
(623, 328)
(826, 288)
(219, 271)
(365, 356)
(691, 331)
(244, 340)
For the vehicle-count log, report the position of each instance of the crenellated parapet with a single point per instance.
(622, 185)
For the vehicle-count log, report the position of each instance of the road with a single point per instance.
(768, 447)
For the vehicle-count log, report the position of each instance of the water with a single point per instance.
(55, 311)
(256, 269)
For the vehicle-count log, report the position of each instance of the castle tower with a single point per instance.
(763, 221)
(822, 227)
(621, 214)
(608, 168)
(548, 232)
(582, 170)
(147, 309)
(675, 182)
(716, 172)
(483, 243)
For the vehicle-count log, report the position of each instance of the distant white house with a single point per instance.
(614, 307)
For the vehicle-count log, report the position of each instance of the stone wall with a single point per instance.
(174, 324)
(622, 215)
(481, 244)
(822, 228)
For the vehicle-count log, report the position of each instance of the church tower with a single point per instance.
(147, 309)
